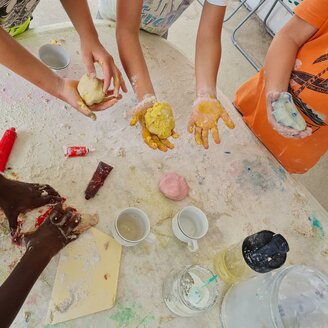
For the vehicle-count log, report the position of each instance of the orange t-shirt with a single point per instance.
(309, 88)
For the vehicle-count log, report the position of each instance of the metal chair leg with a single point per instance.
(237, 45)
(268, 29)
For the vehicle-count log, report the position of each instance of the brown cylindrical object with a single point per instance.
(98, 179)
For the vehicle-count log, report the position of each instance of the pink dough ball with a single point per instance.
(174, 186)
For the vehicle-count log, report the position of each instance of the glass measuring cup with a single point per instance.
(179, 291)
(295, 297)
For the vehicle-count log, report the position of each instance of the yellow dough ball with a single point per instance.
(160, 120)
(91, 90)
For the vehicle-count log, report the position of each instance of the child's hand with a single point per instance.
(68, 93)
(93, 52)
(19, 197)
(152, 140)
(206, 113)
(55, 232)
(285, 131)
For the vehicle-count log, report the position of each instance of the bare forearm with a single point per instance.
(19, 60)
(79, 14)
(208, 49)
(208, 55)
(279, 63)
(134, 63)
(280, 59)
(15, 289)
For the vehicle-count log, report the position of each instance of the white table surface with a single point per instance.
(238, 184)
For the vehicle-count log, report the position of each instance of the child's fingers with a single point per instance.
(104, 105)
(71, 223)
(198, 135)
(148, 139)
(159, 143)
(167, 143)
(107, 75)
(205, 138)
(91, 70)
(215, 134)
(227, 120)
(117, 83)
(134, 119)
(123, 85)
(85, 110)
(191, 124)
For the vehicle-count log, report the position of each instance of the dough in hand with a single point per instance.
(160, 120)
(286, 113)
(87, 221)
(91, 90)
(174, 186)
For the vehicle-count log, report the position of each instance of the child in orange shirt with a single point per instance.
(297, 62)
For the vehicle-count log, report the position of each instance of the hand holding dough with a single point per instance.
(157, 123)
(284, 116)
(159, 120)
(91, 90)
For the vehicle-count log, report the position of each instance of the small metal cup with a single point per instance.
(54, 56)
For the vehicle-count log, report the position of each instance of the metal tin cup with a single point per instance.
(54, 56)
(190, 225)
(131, 227)
(179, 287)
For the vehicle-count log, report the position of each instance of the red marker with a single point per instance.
(6, 145)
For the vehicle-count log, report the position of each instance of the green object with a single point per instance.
(19, 29)
(195, 292)
(210, 280)
(286, 113)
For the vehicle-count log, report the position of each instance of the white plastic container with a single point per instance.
(294, 297)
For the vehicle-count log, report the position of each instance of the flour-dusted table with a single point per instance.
(238, 184)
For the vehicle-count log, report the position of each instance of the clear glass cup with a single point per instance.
(186, 293)
(294, 297)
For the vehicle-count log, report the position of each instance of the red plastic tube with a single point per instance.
(6, 146)
(75, 151)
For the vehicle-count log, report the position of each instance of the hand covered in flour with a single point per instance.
(68, 93)
(18, 197)
(92, 52)
(55, 232)
(290, 123)
(206, 113)
(156, 129)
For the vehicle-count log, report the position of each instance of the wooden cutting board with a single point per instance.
(86, 278)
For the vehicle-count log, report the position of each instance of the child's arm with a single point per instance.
(281, 55)
(19, 60)
(208, 49)
(127, 34)
(43, 244)
(207, 110)
(279, 63)
(92, 49)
